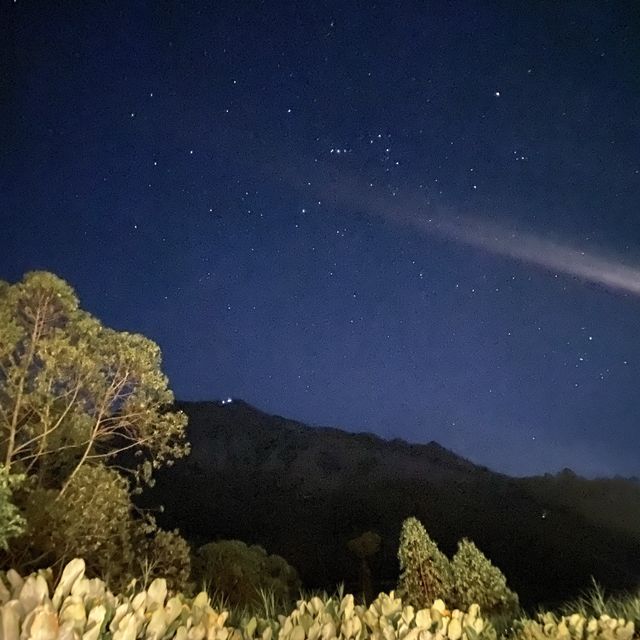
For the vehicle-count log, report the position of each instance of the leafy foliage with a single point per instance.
(82, 608)
(240, 572)
(83, 409)
(73, 392)
(548, 626)
(95, 518)
(595, 603)
(92, 519)
(365, 545)
(477, 580)
(166, 554)
(12, 523)
(425, 571)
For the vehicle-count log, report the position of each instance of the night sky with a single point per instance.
(418, 219)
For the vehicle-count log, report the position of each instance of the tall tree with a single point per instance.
(75, 393)
(425, 571)
(85, 414)
(477, 580)
(365, 546)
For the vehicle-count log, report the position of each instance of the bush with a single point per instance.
(94, 519)
(82, 608)
(240, 572)
(168, 556)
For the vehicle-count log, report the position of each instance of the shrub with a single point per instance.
(167, 555)
(574, 627)
(240, 572)
(94, 518)
(82, 608)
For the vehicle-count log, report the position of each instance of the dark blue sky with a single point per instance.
(403, 218)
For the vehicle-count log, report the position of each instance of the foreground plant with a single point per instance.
(30, 609)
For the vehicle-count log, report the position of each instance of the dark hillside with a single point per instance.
(303, 492)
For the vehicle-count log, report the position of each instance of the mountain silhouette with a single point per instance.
(303, 492)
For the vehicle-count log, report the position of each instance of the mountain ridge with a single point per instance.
(235, 406)
(303, 492)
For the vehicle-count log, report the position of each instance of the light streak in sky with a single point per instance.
(533, 249)
(347, 192)
(526, 247)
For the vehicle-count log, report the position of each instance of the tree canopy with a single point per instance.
(73, 392)
(477, 580)
(240, 571)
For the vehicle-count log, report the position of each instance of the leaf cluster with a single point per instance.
(12, 523)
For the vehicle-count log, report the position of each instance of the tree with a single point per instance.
(365, 546)
(477, 580)
(73, 392)
(85, 411)
(91, 520)
(95, 520)
(166, 554)
(425, 574)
